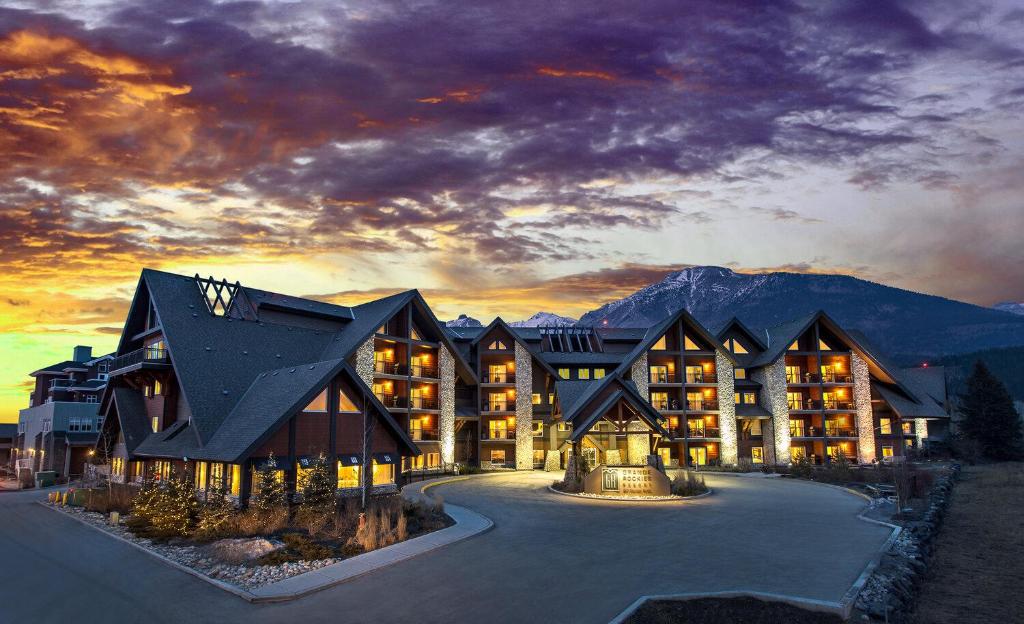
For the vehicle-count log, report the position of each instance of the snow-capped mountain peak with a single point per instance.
(544, 319)
(464, 321)
(1011, 307)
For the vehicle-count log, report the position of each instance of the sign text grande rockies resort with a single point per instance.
(632, 480)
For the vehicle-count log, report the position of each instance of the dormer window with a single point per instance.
(737, 347)
(497, 345)
(795, 346)
(689, 344)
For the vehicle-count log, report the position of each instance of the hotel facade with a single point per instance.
(218, 378)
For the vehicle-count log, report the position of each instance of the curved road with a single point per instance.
(549, 558)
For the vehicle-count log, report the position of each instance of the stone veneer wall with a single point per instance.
(727, 409)
(524, 409)
(862, 401)
(773, 398)
(920, 431)
(364, 362)
(641, 375)
(638, 447)
(446, 401)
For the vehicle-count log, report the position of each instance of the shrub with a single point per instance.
(297, 547)
(688, 483)
(318, 496)
(802, 468)
(176, 507)
(837, 470)
(216, 517)
(113, 497)
(270, 493)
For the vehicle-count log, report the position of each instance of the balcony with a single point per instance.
(424, 403)
(846, 406)
(503, 406)
(391, 401)
(834, 378)
(498, 434)
(662, 378)
(498, 378)
(666, 404)
(840, 432)
(705, 405)
(804, 432)
(61, 384)
(147, 357)
(803, 378)
(806, 405)
(425, 435)
(420, 370)
(389, 368)
(704, 432)
(701, 378)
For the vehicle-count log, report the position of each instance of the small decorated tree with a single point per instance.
(270, 495)
(215, 513)
(318, 495)
(176, 507)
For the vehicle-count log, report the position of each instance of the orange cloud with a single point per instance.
(578, 73)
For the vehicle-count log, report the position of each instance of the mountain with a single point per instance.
(1011, 307)
(464, 321)
(906, 325)
(544, 319)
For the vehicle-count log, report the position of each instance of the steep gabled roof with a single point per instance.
(907, 407)
(930, 380)
(131, 415)
(736, 324)
(625, 391)
(276, 396)
(53, 369)
(780, 336)
(498, 322)
(654, 333)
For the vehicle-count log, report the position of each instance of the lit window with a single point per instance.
(236, 479)
(792, 374)
(415, 334)
(757, 454)
(659, 374)
(755, 428)
(740, 373)
(885, 426)
(659, 400)
(823, 345)
(201, 475)
(498, 373)
(551, 398)
(737, 347)
(886, 452)
(537, 427)
(383, 329)
(660, 345)
(319, 404)
(348, 476)
(795, 346)
(155, 423)
(737, 397)
(695, 374)
(346, 404)
(563, 426)
(908, 427)
(433, 460)
(598, 373)
(583, 373)
(909, 443)
(535, 398)
(498, 457)
(497, 345)
(564, 373)
(797, 453)
(497, 429)
(749, 398)
(689, 344)
(158, 387)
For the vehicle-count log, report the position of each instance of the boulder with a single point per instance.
(241, 550)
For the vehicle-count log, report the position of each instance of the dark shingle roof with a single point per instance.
(266, 299)
(752, 411)
(54, 368)
(131, 413)
(8, 430)
(930, 380)
(570, 393)
(585, 358)
(780, 337)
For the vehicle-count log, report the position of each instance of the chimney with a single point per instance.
(82, 354)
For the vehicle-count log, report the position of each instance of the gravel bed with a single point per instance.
(193, 556)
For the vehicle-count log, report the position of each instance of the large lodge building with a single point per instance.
(218, 378)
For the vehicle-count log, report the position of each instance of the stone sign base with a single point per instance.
(627, 481)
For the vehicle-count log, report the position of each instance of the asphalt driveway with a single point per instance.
(549, 559)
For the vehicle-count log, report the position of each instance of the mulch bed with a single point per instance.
(727, 611)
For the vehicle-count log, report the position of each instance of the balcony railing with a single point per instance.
(839, 405)
(662, 377)
(807, 404)
(429, 403)
(705, 432)
(391, 400)
(58, 384)
(145, 355)
(389, 368)
(498, 407)
(424, 435)
(840, 432)
(833, 378)
(498, 378)
(665, 404)
(701, 378)
(804, 432)
(419, 370)
(703, 405)
(498, 434)
(803, 378)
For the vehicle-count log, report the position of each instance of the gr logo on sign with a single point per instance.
(610, 480)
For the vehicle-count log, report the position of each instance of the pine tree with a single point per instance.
(320, 486)
(271, 493)
(989, 417)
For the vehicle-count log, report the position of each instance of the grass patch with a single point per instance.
(977, 570)
(726, 611)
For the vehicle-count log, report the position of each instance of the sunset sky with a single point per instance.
(503, 157)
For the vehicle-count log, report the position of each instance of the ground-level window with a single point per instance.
(138, 469)
(886, 451)
(666, 455)
(162, 470)
(498, 457)
(236, 480)
(117, 466)
(201, 475)
(348, 476)
(796, 453)
(909, 443)
(383, 473)
(216, 475)
(433, 460)
(757, 454)
(538, 457)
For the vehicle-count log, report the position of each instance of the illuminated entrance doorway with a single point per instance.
(698, 456)
(590, 457)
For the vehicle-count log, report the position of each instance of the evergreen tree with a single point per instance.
(320, 485)
(271, 493)
(989, 417)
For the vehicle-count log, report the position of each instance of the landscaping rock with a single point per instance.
(241, 550)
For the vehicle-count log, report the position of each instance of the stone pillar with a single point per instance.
(727, 410)
(364, 362)
(920, 431)
(446, 403)
(641, 375)
(524, 408)
(773, 398)
(552, 461)
(862, 402)
(638, 447)
(612, 457)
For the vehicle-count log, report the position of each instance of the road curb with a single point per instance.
(623, 499)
